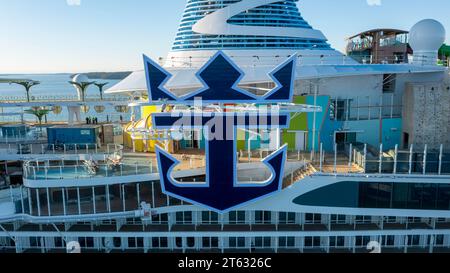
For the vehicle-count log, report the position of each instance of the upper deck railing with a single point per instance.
(86, 171)
(65, 98)
(62, 149)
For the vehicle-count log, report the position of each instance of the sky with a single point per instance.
(72, 36)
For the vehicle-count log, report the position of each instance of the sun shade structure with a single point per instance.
(27, 84)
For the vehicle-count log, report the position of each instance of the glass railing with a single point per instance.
(86, 171)
(17, 99)
(63, 149)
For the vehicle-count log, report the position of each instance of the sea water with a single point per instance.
(53, 86)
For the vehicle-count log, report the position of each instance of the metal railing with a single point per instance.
(396, 161)
(267, 61)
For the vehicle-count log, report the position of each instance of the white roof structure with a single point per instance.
(186, 79)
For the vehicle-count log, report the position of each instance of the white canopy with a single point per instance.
(184, 78)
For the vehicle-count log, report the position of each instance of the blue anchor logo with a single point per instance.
(221, 192)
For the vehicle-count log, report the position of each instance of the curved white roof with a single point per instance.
(185, 78)
(80, 78)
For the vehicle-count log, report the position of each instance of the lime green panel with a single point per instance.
(289, 139)
(299, 122)
(241, 140)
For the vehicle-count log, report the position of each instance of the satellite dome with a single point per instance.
(79, 78)
(427, 35)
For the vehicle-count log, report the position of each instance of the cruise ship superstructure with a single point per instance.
(367, 151)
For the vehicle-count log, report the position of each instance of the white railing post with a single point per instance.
(138, 194)
(380, 167)
(121, 169)
(60, 172)
(49, 210)
(321, 157)
(123, 198)
(34, 172)
(395, 159)
(93, 200)
(20, 149)
(136, 167)
(87, 149)
(335, 157)
(411, 151)
(22, 202)
(76, 149)
(79, 200)
(53, 147)
(441, 157)
(108, 199)
(42, 148)
(64, 147)
(350, 158)
(63, 190)
(11, 194)
(357, 108)
(425, 154)
(38, 202)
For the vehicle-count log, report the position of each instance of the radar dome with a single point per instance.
(79, 78)
(427, 35)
